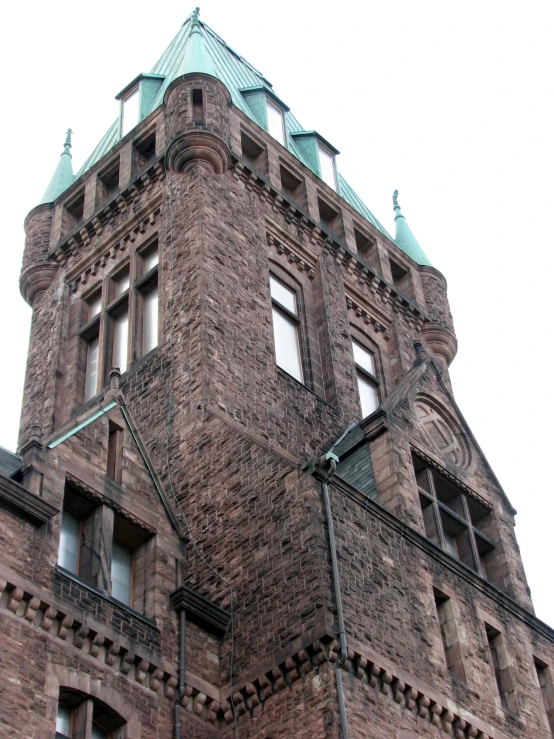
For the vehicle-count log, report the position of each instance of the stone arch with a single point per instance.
(442, 431)
(58, 676)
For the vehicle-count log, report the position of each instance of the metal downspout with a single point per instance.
(181, 673)
(338, 597)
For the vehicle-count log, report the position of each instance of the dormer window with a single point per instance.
(327, 166)
(129, 111)
(137, 99)
(275, 123)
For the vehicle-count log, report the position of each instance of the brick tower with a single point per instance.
(245, 502)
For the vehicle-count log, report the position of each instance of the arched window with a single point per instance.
(80, 715)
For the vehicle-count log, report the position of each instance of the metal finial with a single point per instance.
(194, 16)
(68, 138)
(395, 200)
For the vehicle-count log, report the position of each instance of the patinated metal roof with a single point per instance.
(196, 48)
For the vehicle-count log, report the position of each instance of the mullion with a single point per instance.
(475, 550)
(288, 313)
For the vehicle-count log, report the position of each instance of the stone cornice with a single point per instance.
(111, 213)
(25, 504)
(357, 270)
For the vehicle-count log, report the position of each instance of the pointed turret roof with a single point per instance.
(404, 237)
(63, 174)
(196, 57)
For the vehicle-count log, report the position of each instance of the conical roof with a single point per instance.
(63, 175)
(404, 237)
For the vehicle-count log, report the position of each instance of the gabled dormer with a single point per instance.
(268, 110)
(136, 100)
(320, 155)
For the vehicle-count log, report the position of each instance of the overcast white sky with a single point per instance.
(452, 103)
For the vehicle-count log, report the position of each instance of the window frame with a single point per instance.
(296, 319)
(462, 519)
(322, 148)
(135, 90)
(271, 104)
(101, 326)
(365, 375)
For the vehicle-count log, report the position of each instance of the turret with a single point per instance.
(438, 332)
(37, 271)
(197, 110)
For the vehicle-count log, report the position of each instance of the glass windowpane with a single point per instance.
(122, 572)
(98, 732)
(150, 327)
(120, 340)
(63, 720)
(450, 543)
(150, 260)
(130, 113)
(287, 350)
(282, 294)
(275, 122)
(363, 358)
(68, 552)
(94, 307)
(369, 400)
(91, 375)
(327, 167)
(122, 284)
(429, 520)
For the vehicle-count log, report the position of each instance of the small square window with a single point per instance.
(330, 217)
(293, 186)
(144, 151)
(108, 182)
(254, 153)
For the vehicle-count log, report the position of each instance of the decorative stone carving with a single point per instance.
(442, 432)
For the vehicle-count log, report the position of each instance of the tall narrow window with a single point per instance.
(275, 122)
(120, 340)
(130, 111)
(546, 683)
(286, 326)
(449, 633)
(122, 572)
(70, 535)
(197, 105)
(150, 320)
(501, 669)
(91, 374)
(327, 167)
(115, 452)
(368, 383)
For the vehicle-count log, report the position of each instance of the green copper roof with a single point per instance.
(63, 175)
(404, 237)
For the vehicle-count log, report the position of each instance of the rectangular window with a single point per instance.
(150, 260)
(450, 517)
(94, 306)
(115, 452)
(120, 341)
(197, 105)
(122, 284)
(150, 320)
(368, 383)
(129, 112)
(286, 325)
(449, 633)
(500, 668)
(70, 542)
(91, 374)
(546, 683)
(327, 167)
(275, 122)
(122, 573)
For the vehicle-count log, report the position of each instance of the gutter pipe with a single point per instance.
(181, 673)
